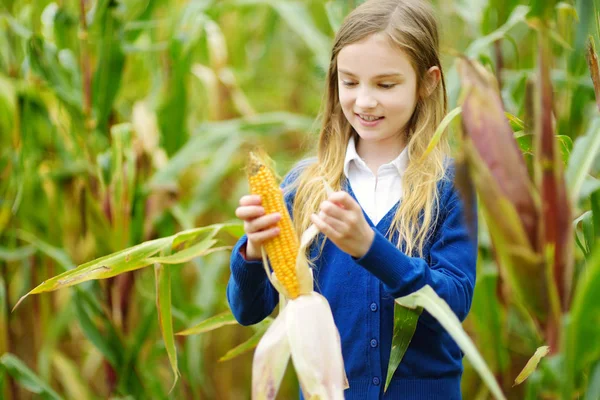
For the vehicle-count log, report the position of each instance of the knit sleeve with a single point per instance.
(449, 269)
(250, 294)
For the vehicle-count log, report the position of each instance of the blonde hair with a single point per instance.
(411, 26)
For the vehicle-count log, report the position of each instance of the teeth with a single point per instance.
(368, 117)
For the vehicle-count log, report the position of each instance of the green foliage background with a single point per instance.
(125, 121)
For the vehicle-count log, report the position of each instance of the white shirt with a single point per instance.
(377, 194)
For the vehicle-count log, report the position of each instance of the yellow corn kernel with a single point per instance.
(283, 249)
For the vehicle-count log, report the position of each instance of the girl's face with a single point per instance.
(377, 89)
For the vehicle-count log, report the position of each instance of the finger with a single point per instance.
(262, 223)
(344, 200)
(249, 212)
(333, 210)
(324, 227)
(250, 200)
(338, 225)
(263, 236)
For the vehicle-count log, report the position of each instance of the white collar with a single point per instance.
(400, 162)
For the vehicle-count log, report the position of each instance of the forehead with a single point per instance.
(372, 56)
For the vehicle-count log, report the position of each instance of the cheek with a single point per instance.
(404, 100)
(346, 100)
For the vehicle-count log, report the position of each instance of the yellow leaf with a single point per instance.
(532, 364)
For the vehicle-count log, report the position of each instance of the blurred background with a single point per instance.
(123, 121)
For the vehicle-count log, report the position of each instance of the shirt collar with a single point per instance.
(400, 162)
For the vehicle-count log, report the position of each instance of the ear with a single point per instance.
(431, 81)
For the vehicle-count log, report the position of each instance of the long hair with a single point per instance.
(410, 25)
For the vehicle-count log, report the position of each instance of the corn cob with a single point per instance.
(283, 249)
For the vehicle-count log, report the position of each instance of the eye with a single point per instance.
(348, 83)
(387, 85)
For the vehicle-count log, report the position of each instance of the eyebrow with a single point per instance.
(385, 75)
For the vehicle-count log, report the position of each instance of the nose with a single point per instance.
(365, 100)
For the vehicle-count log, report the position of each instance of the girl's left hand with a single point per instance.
(341, 219)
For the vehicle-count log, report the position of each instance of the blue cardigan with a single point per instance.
(361, 294)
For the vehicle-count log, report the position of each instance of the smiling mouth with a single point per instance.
(368, 118)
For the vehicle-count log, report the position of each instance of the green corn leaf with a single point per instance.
(11, 255)
(585, 151)
(489, 319)
(199, 249)
(3, 319)
(142, 332)
(251, 343)
(110, 63)
(531, 364)
(27, 378)
(439, 309)
(482, 44)
(163, 304)
(216, 171)
(58, 255)
(44, 62)
(210, 324)
(68, 373)
(595, 201)
(297, 17)
(405, 324)
(336, 11)
(130, 259)
(107, 342)
(593, 390)
(439, 131)
(579, 345)
(210, 136)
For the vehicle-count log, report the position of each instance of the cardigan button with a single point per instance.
(376, 381)
(373, 343)
(373, 307)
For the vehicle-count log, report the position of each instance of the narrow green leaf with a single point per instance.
(405, 324)
(595, 202)
(130, 259)
(110, 62)
(482, 44)
(488, 317)
(439, 309)
(220, 165)
(212, 323)
(11, 255)
(163, 304)
(439, 131)
(532, 364)
(593, 390)
(108, 343)
(44, 61)
(585, 150)
(58, 255)
(27, 378)
(335, 14)
(185, 255)
(3, 319)
(297, 17)
(583, 325)
(68, 373)
(104, 267)
(251, 343)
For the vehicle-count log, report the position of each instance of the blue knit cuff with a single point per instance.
(389, 264)
(246, 273)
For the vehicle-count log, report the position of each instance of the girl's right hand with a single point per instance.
(259, 227)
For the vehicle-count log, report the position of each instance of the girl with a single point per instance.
(395, 221)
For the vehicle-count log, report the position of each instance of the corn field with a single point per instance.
(125, 127)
